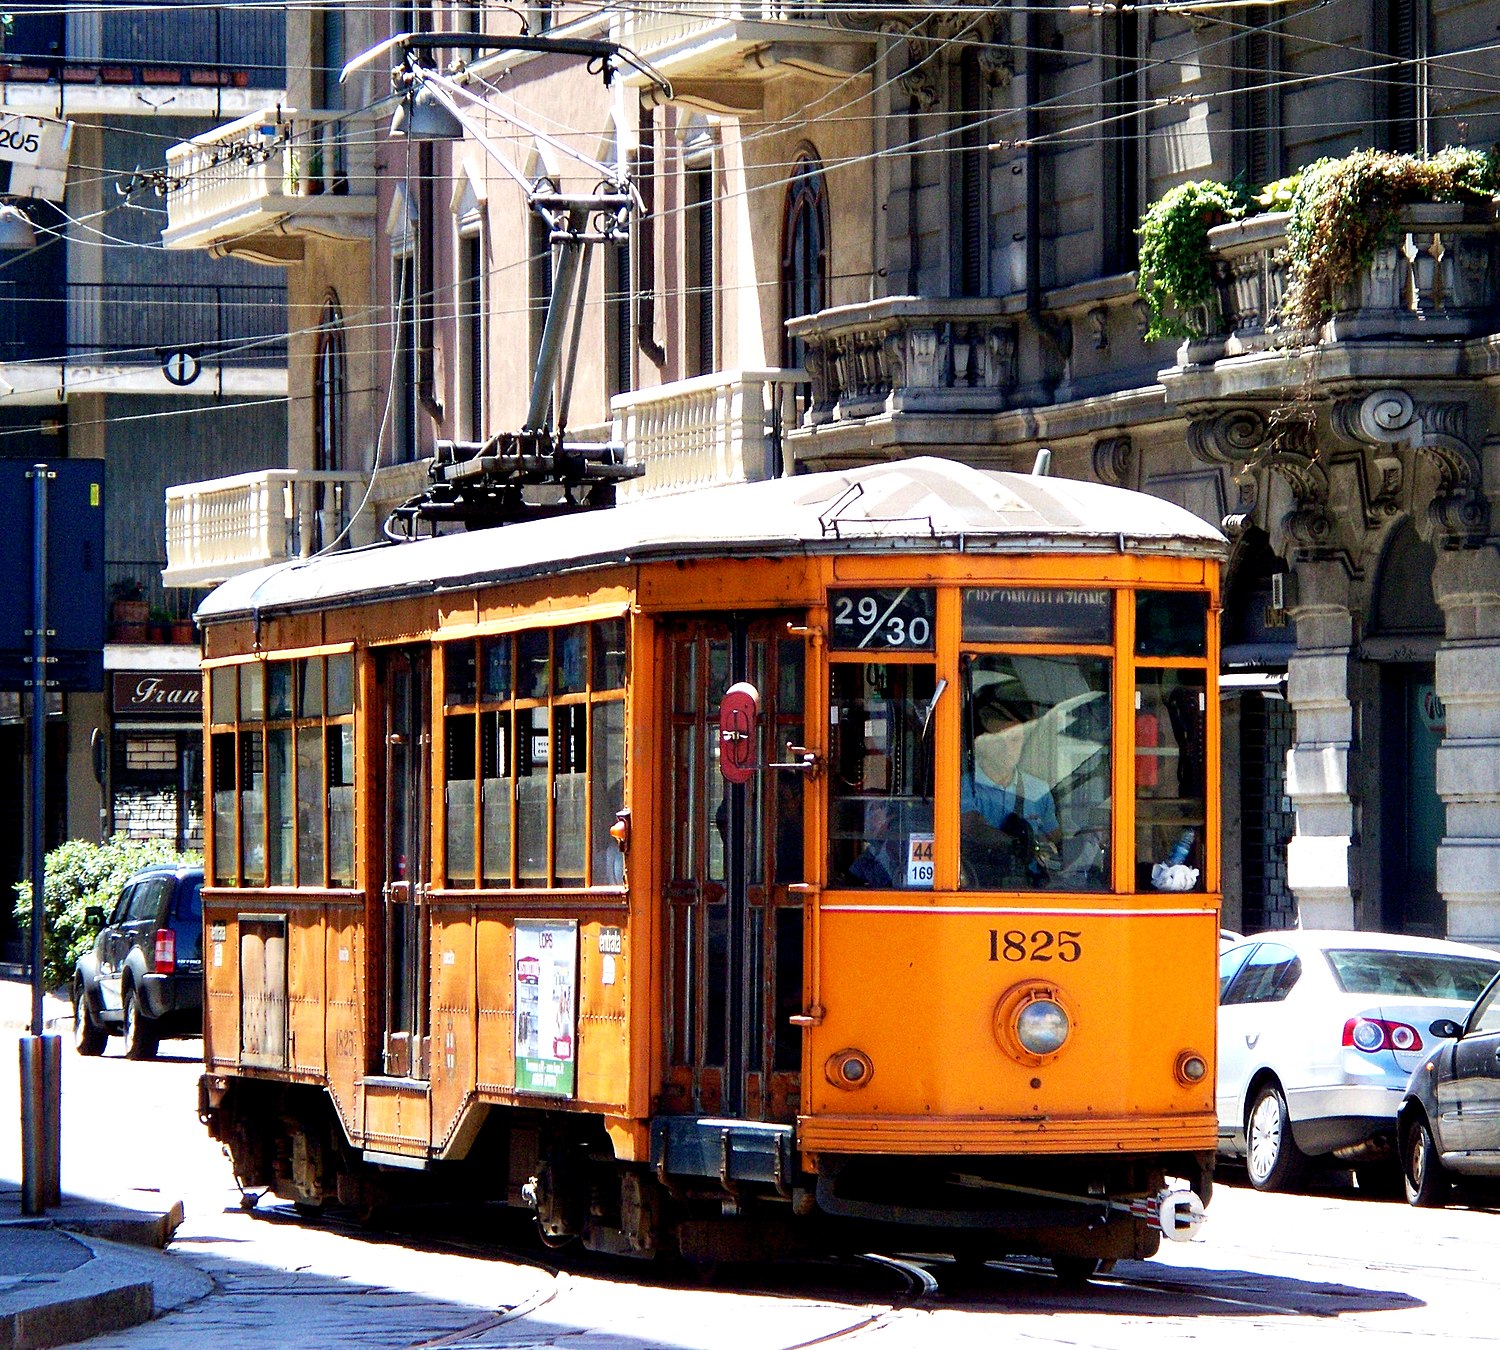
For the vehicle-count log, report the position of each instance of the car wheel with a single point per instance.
(1272, 1157)
(89, 1037)
(141, 1039)
(1426, 1177)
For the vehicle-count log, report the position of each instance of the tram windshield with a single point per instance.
(1034, 796)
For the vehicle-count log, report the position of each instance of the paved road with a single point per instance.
(1308, 1270)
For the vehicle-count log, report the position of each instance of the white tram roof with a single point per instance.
(918, 505)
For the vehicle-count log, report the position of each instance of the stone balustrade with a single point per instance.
(225, 526)
(719, 428)
(1435, 277)
(305, 167)
(907, 354)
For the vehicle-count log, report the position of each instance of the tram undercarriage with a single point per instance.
(741, 1204)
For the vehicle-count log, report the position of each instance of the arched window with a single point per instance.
(329, 386)
(804, 250)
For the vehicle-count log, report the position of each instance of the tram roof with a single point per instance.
(918, 505)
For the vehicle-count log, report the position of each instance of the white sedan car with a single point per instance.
(1318, 1034)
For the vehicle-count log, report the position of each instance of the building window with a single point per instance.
(1258, 155)
(804, 251)
(1406, 92)
(1121, 158)
(971, 217)
(405, 357)
(699, 248)
(541, 278)
(330, 385)
(471, 332)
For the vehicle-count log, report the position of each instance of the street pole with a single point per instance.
(41, 1058)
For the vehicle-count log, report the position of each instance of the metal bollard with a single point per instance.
(41, 1123)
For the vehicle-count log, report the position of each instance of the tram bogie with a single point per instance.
(911, 940)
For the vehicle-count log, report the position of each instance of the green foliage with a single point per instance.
(76, 875)
(1176, 274)
(1344, 209)
(1341, 210)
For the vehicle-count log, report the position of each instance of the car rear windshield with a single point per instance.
(1411, 974)
(189, 919)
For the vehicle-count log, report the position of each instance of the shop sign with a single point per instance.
(157, 693)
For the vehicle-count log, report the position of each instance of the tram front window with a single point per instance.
(1034, 796)
(880, 789)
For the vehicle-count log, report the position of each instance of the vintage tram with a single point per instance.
(823, 860)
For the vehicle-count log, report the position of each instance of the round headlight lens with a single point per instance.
(1042, 1027)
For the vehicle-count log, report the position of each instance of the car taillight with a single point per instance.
(1371, 1034)
(166, 951)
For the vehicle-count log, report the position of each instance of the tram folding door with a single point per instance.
(733, 925)
(403, 688)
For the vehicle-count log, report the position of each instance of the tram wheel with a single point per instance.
(1075, 1270)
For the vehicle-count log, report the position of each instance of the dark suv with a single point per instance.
(143, 977)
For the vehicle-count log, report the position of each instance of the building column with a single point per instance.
(1319, 866)
(1467, 587)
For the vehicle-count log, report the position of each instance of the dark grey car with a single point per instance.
(1448, 1128)
(143, 977)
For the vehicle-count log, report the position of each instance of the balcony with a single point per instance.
(257, 187)
(226, 526)
(720, 428)
(1435, 278)
(719, 55)
(907, 353)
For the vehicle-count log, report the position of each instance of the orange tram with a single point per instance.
(775, 866)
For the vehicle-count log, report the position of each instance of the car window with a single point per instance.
(188, 918)
(1267, 977)
(1486, 1017)
(1229, 964)
(146, 900)
(122, 905)
(1410, 974)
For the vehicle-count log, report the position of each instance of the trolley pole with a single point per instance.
(41, 1056)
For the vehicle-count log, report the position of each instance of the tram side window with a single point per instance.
(1034, 793)
(880, 785)
(1170, 772)
(534, 760)
(281, 745)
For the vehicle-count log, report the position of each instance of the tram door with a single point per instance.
(733, 925)
(403, 682)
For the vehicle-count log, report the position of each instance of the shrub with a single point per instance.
(78, 874)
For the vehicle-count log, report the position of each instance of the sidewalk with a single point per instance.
(93, 1263)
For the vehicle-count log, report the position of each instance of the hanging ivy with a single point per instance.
(1176, 277)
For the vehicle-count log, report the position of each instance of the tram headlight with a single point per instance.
(1191, 1068)
(1033, 1023)
(1042, 1027)
(849, 1069)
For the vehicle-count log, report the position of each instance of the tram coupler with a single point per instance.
(1176, 1211)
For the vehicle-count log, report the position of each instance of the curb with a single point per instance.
(77, 1319)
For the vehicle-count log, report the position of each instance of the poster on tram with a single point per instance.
(546, 987)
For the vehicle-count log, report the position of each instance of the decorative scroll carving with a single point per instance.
(1114, 457)
(1434, 430)
(1231, 437)
(1098, 319)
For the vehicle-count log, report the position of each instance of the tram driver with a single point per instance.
(1008, 819)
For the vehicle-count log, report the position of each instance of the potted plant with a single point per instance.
(159, 624)
(1176, 278)
(128, 612)
(184, 630)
